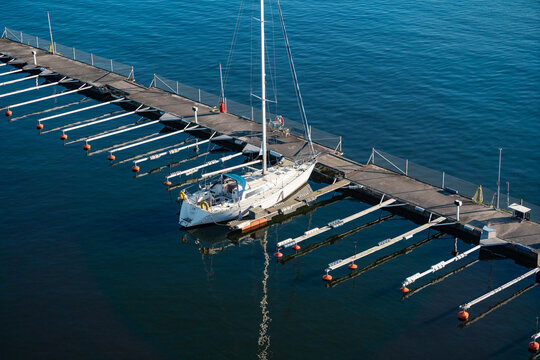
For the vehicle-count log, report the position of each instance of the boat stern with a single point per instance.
(192, 215)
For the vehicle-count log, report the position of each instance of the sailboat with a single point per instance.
(232, 196)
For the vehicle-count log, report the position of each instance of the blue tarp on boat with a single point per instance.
(240, 181)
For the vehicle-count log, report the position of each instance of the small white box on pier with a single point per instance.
(520, 211)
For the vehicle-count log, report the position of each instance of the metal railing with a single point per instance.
(247, 112)
(447, 182)
(70, 52)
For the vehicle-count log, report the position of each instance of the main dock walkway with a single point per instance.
(371, 181)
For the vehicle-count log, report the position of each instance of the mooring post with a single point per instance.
(53, 47)
(458, 203)
(195, 109)
(507, 194)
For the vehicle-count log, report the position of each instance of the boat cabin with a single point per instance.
(229, 187)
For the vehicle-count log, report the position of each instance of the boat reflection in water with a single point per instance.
(211, 241)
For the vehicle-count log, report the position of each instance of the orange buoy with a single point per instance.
(9, 113)
(353, 266)
(39, 126)
(296, 247)
(327, 277)
(167, 183)
(463, 316)
(221, 107)
(63, 137)
(111, 157)
(87, 147)
(404, 290)
(135, 168)
(278, 254)
(534, 346)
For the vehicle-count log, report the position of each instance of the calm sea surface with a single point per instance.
(93, 266)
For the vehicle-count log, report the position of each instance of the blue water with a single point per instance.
(92, 262)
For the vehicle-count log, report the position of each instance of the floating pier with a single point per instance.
(411, 279)
(437, 280)
(262, 217)
(332, 225)
(382, 244)
(464, 315)
(497, 306)
(332, 239)
(359, 271)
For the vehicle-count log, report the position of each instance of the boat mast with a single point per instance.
(263, 89)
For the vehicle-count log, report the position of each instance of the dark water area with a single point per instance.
(93, 265)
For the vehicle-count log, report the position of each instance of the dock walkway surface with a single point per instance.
(377, 179)
(433, 199)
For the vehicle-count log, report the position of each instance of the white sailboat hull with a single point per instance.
(278, 185)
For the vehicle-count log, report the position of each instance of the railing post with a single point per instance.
(73, 53)
(199, 95)
(92, 59)
(21, 38)
(177, 92)
(37, 42)
(111, 66)
(406, 167)
(507, 194)
(132, 74)
(442, 180)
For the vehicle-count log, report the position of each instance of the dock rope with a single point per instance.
(478, 197)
